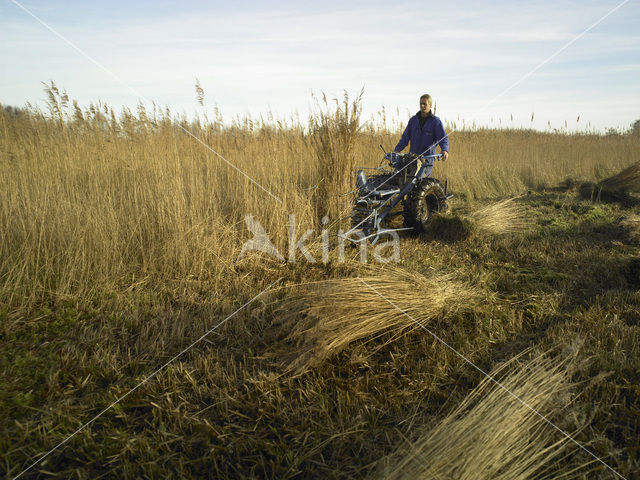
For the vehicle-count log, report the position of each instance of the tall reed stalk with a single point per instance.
(334, 134)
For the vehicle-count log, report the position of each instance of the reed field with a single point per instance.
(121, 244)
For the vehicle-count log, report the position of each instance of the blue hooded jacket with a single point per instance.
(424, 140)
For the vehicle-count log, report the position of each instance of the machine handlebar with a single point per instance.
(398, 160)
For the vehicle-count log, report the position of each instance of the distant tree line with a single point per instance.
(13, 111)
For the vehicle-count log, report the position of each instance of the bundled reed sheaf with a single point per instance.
(324, 319)
(492, 435)
(505, 216)
(498, 218)
(628, 180)
(615, 188)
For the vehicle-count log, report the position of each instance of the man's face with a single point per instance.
(425, 106)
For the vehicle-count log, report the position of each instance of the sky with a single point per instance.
(489, 63)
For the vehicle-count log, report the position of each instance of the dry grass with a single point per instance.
(324, 319)
(505, 165)
(118, 236)
(631, 224)
(502, 217)
(92, 203)
(491, 435)
(333, 134)
(627, 180)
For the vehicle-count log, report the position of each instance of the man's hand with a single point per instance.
(445, 155)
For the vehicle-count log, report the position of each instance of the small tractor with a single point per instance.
(377, 194)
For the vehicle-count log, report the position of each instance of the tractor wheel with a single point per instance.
(426, 198)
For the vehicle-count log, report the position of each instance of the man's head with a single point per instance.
(425, 104)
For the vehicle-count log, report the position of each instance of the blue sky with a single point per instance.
(254, 57)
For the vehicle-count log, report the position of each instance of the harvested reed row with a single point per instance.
(323, 320)
(491, 434)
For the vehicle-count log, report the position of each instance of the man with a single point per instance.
(425, 131)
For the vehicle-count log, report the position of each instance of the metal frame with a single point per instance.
(387, 200)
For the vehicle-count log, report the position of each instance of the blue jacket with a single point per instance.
(424, 140)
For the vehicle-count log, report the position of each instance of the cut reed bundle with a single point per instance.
(505, 216)
(498, 218)
(627, 180)
(323, 320)
(491, 434)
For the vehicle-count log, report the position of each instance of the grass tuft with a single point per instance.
(632, 272)
(631, 226)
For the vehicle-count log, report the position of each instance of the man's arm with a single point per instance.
(404, 140)
(442, 139)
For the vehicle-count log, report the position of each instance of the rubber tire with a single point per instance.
(426, 198)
